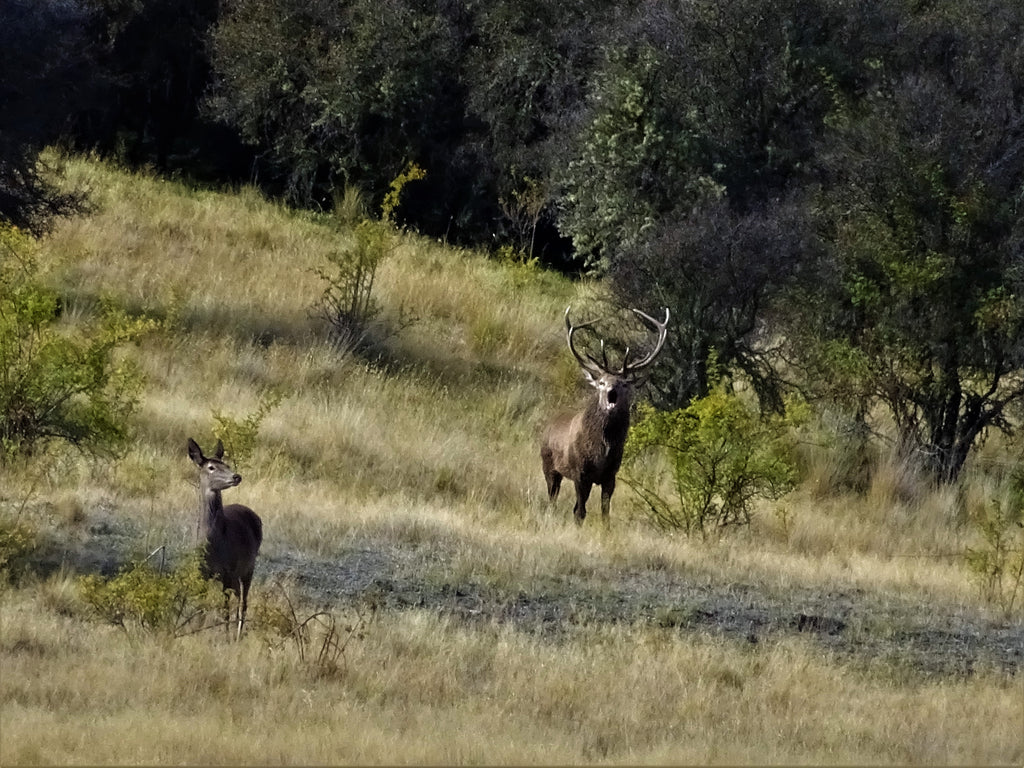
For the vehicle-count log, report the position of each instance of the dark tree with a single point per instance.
(337, 93)
(694, 102)
(718, 271)
(527, 72)
(920, 306)
(43, 76)
(151, 71)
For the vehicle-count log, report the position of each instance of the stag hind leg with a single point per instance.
(552, 476)
(554, 484)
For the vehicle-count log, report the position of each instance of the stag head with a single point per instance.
(614, 387)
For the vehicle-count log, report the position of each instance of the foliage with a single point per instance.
(998, 561)
(57, 383)
(150, 68)
(18, 541)
(320, 639)
(347, 302)
(613, 198)
(721, 458)
(339, 93)
(528, 65)
(699, 102)
(717, 271)
(919, 302)
(140, 598)
(43, 57)
(239, 435)
(392, 199)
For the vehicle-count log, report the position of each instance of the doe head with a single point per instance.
(214, 473)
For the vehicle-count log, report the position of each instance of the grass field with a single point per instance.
(402, 500)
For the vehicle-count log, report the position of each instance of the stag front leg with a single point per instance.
(607, 489)
(582, 494)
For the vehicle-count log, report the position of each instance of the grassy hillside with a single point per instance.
(401, 495)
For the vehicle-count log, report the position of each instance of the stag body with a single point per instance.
(586, 447)
(233, 533)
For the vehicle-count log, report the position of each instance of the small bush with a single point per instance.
(347, 303)
(57, 383)
(319, 639)
(239, 435)
(18, 541)
(998, 561)
(721, 455)
(140, 598)
(393, 197)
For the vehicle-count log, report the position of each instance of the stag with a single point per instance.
(233, 533)
(586, 446)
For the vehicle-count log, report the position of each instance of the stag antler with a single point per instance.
(599, 368)
(662, 328)
(590, 364)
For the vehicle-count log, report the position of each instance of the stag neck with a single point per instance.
(604, 419)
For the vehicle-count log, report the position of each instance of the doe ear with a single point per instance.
(218, 452)
(195, 452)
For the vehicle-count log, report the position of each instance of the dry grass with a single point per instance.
(421, 689)
(433, 445)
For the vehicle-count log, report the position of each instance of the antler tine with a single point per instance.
(590, 363)
(662, 328)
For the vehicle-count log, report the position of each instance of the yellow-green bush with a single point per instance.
(142, 598)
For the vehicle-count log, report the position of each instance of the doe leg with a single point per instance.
(227, 611)
(243, 607)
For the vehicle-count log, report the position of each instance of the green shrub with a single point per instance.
(393, 197)
(721, 456)
(142, 598)
(58, 383)
(18, 541)
(239, 435)
(997, 562)
(347, 303)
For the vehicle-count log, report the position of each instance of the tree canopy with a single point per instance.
(826, 194)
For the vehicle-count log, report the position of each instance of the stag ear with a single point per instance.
(195, 452)
(218, 452)
(590, 376)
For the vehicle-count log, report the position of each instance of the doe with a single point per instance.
(233, 533)
(586, 446)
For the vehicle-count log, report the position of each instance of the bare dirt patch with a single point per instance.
(857, 625)
(861, 626)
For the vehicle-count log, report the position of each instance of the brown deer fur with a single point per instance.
(586, 446)
(233, 534)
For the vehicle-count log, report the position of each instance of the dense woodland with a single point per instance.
(827, 194)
